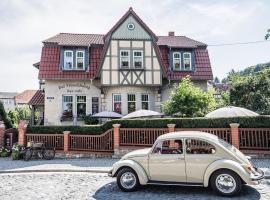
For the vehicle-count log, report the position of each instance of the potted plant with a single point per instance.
(4, 152)
(17, 152)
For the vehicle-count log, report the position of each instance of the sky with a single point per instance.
(24, 24)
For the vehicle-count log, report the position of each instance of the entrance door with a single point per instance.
(167, 162)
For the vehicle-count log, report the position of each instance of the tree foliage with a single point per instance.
(189, 101)
(20, 113)
(252, 92)
(4, 117)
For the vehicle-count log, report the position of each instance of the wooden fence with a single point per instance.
(254, 138)
(50, 140)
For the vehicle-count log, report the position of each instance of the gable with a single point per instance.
(122, 32)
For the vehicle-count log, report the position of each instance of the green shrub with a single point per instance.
(4, 117)
(89, 120)
(245, 122)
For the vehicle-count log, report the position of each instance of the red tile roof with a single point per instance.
(37, 99)
(25, 96)
(179, 41)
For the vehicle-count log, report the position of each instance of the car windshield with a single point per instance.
(225, 144)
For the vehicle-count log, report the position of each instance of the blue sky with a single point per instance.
(25, 23)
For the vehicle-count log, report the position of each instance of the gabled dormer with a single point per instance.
(131, 55)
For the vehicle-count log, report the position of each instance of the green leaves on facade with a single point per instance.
(189, 101)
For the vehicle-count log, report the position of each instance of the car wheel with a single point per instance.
(226, 183)
(127, 180)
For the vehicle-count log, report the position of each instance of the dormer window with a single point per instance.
(138, 59)
(125, 58)
(187, 61)
(68, 59)
(176, 61)
(80, 59)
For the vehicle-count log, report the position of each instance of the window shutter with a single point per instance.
(193, 60)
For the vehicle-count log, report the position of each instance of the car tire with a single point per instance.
(127, 180)
(226, 182)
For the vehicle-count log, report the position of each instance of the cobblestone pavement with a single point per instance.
(82, 186)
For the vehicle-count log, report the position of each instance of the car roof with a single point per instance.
(188, 134)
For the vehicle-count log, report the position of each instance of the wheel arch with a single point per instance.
(225, 165)
(139, 170)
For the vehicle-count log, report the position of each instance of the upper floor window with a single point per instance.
(137, 59)
(125, 58)
(68, 59)
(176, 61)
(187, 61)
(80, 59)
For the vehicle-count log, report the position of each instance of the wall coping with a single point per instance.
(116, 125)
(234, 125)
(66, 132)
(171, 125)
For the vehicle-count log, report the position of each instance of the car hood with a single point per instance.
(137, 153)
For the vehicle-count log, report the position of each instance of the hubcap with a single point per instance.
(128, 180)
(225, 183)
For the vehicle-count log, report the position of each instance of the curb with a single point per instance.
(53, 170)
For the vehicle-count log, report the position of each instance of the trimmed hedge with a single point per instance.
(245, 122)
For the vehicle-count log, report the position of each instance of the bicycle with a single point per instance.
(38, 150)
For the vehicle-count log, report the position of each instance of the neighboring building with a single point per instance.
(127, 69)
(22, 99)
(8, 100)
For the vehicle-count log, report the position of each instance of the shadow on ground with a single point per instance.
(169, 192)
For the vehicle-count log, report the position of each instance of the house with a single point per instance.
(126, 69)
(23, 98)
(8, 100)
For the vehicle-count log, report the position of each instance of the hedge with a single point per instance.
(245, 122)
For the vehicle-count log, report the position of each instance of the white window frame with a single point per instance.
(117, 101)
(174, 61)
(131, 101)
(65, 66)
(134, 51)
(80, 51)
(78, 102)
(190, 61)
(124, 57)
(142, 101)
(72, 103)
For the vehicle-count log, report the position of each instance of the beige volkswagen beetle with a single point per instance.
(190, 158)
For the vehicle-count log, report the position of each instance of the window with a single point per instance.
(176, 61)
(194, 146)
(169, 147)
(80, 59)
(138, 59)
(95, 105)
(68, 59)
(131, 103)
(67, 106)
(81, 106)
(117, 103)
(125, 58)
(145, 101)
(187, 61)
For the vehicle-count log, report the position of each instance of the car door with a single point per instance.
(199, 154)
(167, 162)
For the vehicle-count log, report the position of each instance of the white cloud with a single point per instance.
(25, 23)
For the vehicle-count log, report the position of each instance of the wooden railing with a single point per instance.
(50, 140)
(254, 138)
(103, 142)
(140, 136)
(223, 133)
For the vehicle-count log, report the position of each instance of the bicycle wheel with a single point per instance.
(28, 154)
(49, 154)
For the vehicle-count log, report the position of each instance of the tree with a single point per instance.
(4, 117)
(224, 100)
(252, 92)
(19, 113)
(189, 101)
(267, 36)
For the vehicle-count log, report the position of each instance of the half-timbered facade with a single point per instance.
(127, 69)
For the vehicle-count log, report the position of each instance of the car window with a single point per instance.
(169, 147)
(195, 146)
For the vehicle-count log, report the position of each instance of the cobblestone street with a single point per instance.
(99, 186)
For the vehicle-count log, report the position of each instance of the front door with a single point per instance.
(167, 162)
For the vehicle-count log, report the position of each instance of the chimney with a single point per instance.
(171, 33)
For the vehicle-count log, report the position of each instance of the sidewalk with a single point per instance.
(99, 165)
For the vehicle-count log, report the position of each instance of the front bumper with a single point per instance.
(110, 173)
